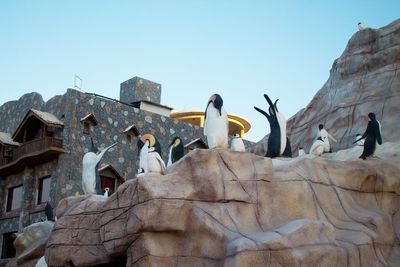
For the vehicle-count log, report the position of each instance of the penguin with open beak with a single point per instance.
(216, 123)
(278, 143)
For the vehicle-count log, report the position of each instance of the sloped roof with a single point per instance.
(90, 117)
(5, 138)
(113, 171)
(47, 117)
(199, 142)
(132, 128)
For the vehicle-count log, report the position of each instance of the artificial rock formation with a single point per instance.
(31, 243)
(365, 78)
(222, 208)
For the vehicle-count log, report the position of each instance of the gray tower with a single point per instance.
(139, 89)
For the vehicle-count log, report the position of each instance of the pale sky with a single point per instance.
(239, 49)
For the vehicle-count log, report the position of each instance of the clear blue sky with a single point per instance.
(239, 49)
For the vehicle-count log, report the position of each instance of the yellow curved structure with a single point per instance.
(237, 124)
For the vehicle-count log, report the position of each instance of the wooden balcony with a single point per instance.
(31, 153)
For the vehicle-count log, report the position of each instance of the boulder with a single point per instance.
(222, 208)
(31, 243)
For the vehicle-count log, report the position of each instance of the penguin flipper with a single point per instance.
(263, 112)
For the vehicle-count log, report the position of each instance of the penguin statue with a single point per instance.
(372, 136)
(90, 177)
(143, 154)
(323, 133)
(176, 151)
(216, 123)
(48, 211)
(317, 148)
(237, 144)
(301, 152)
(155, 162)
(278, 143)
(107, 192)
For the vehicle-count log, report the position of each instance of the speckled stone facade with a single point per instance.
(113, 118)
(137, 89)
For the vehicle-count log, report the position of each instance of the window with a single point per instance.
(8, 250)
(44, 190)
(129, 138)
(14, 199)
(86, 127)
(107, 182)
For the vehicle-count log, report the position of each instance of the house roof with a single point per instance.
(133, 129)
(199, 142)
(47, 117)
(5, 138)
(112, 170)
(90, 117)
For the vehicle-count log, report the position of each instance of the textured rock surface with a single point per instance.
(31, 243)
(223, 208)
(365, 78)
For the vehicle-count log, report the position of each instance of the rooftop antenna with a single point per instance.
(78, 82)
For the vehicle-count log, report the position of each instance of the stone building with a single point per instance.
(42, 145)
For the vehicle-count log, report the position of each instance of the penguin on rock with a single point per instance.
(278, 143)
(90, 177)
(176, 151)
(372, 135)
(150, 160)
(216, 123)
(237, 144)
(301, 151)
(317, 148)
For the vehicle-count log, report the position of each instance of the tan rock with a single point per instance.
(222, 208)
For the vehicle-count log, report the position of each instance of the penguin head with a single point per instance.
(359, 23)
(300, 147)
(371, 116)
(175, 142)
(217, 102)
(236, 135)
(321, 126)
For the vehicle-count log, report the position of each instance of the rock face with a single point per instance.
(222, 208)
(31, 243)
(366, 78)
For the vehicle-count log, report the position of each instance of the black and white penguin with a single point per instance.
(107, 192)
(278, 143)
(176, 151)
(90, 176)
(48, 211)
(317, 148)
(360, 26)
(372, 136)
(216, 123)
(144, 145)
(154, 162)
(301, 151)
(322, 132)
(237, 144)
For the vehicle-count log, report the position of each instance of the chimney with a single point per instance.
(138, 89)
